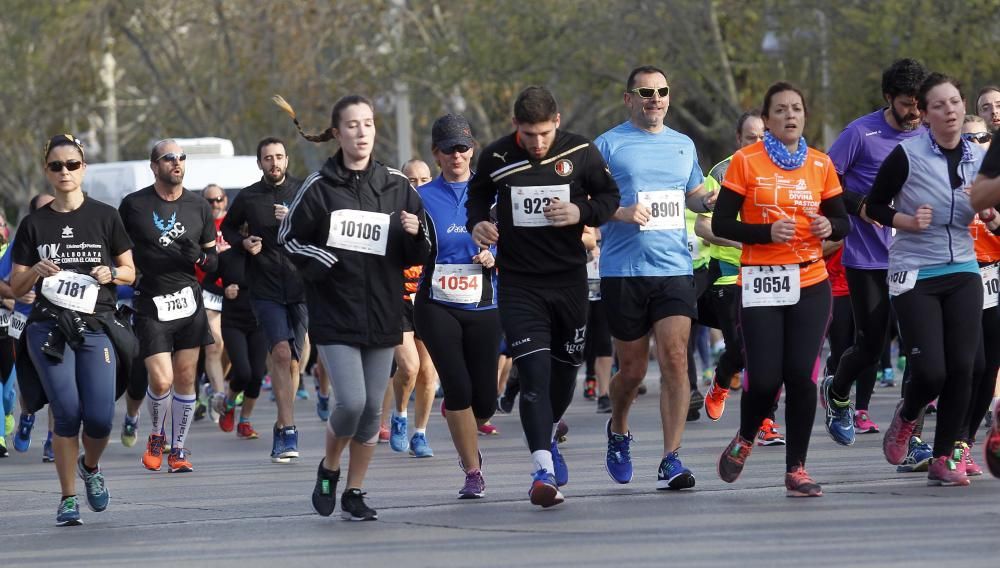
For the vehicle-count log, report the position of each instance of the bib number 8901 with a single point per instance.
(664, 209)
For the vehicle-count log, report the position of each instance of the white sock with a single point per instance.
(182, 414)
(400, 414)
(420, 431)
(554, 426)
(157, 409)
(542, 459)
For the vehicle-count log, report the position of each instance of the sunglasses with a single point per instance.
(978, 137)
(459, 148)
(215, 199)
(171, 157)
(647, 92)
(70, 165)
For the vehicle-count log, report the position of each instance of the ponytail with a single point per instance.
(321, 137)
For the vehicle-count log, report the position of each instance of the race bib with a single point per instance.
(694, 248)
(666, 209)
(991, 285)
(901, 281)
(360, 231)
(211, 301)
(594, 280)
(72, 291)
(18, 322)
(770, 285)
(4, 321)
(179, 305)
(457, 283)
(528, 203)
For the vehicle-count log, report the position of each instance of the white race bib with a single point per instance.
(72, 291)
(211, 301)
(594, 280)
(528, 203)
(457, 283)
(666, 209)
(991, 285)
(18, 322)
(179, 305)
(770, 285)
(360, 231)
(694, 247)
(4, 319)
(901, 281)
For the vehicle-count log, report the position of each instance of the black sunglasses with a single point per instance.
(70, 165)
(171, 157)
(215, 199)
(461, 148)
(978, 137)
(647, 92)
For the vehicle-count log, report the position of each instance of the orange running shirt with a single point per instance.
(987, 244)
(411, 279)
(771, 193)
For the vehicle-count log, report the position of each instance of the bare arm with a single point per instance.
(703, 229)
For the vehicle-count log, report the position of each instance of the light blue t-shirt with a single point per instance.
(648, 162)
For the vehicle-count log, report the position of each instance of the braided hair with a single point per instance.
(339, 106)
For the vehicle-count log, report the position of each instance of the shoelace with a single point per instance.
(95, 483)
(67, 505)
(740, 452)
(618, 448)
(473, 481)
(156, 445)
(801, 477)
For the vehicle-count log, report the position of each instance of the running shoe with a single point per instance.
(286, 444)
(895, 442)
(245, 430)
(48, 456)
(590, 388)
(178, 461)
(918, 456)
(3, 448)
(863, 423)
(324, 496)
(98, 495)
(604, 404)
(129, 436)
(769, 435)
(695, 405)
(202, 404)
(227, 418)
(153, 458)
(799, 484)
(22, 437)
(715, 402)
(475, 486)
(562, 429)
(265, 385)
(218, 402)
(323, 407)
(397, 434)
(8, 423)
(353, 507)
(991, 448)
(932, 407)
(383, 434)
(618, 461)
(673, 475)
(559, 465)
(972, 469)
(839, 416)
(488, 430)
(948, 471)
(419, 448)
(733, 458)
(643, 389)
(544, 491)
(502, 406)
(68, 513)
(888, 378)
(302, 393)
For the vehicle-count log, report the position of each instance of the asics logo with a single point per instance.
(456, 228)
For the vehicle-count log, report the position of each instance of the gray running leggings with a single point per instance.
(359, 377)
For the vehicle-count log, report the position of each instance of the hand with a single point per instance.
(280, 211)
(45, 268)
(923, 217)
(987, 215)
(709, 200)
(863, 213)
(102, 274)
(595, 252)
(231, 291)
(782, 230)
(252, 245)
(637, 214)
(27, 299)
(485, 257)
(411, 223)
(562, 213)
(820, 226)
(485, 234)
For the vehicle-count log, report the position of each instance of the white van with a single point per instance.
(209, 160)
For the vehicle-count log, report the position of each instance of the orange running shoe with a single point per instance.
(153, 458)
(178, 461)
(245, 430)
(769, 435)
(799, 484)
(715, 402)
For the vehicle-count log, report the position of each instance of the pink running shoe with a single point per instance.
(895, 442)
(972, 469)
(488, 430)
(948, 471)
(863, 423)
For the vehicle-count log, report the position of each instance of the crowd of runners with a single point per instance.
(493, 282)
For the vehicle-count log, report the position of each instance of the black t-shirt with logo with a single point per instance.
(154, 224)
(79, 240)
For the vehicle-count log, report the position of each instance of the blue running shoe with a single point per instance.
(397, 434)
(839, 419)
(559, 465)
(48, 456)
(3, 448)
(544, 492)
(302, 393)
(98, 495)
(918, 456)
(286, 444)
(68, 513)
(673, 475)
(323, 407)
(419, 448)
(22, 437)
(619, 459)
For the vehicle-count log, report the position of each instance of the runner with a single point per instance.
(455, 310)
(540, 179)
(73, 251)
(857, 153)
(597, 349)
(988, 106)
(934, 280)
(646, 269)
(212, 298)
(356, 224)
(788, 199)
(173, 232)
(275, 286)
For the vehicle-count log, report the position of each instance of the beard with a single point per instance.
(903, 122)
(274, 179)
(169, 177)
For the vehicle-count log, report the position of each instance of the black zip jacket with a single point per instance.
(353, 297)
(270, 273)
(542, 256)
(238, 312)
